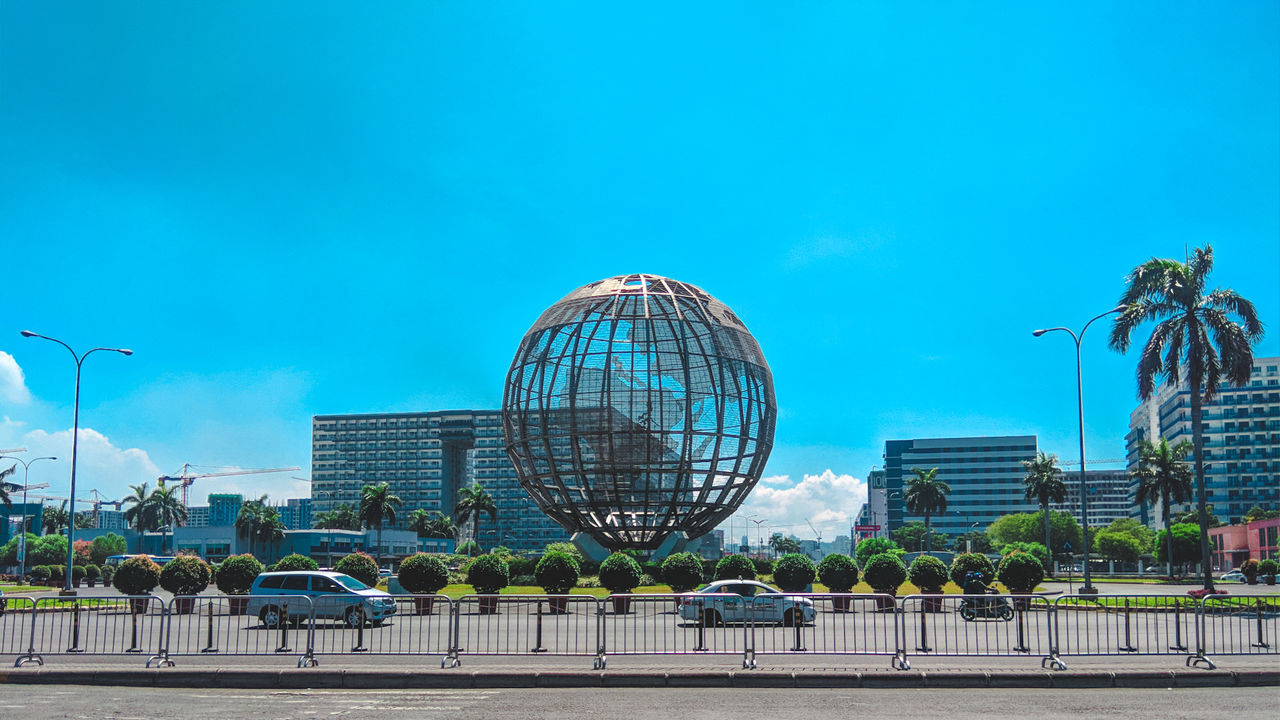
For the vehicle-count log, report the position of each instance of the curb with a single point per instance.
(397, 680)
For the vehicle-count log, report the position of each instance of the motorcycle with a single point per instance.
(972, 608)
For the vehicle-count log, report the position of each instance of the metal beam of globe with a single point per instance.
(637, 407)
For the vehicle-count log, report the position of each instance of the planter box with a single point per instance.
(237, 605)
(488, 604)
(559, 604)
(183, 605)
(933, 603)
(841, 604)
(885, 604)
(423, 605)
(138, 606)
(621, 605)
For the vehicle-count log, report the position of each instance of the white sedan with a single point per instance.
(739, 601)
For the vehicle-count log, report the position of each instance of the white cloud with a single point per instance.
(100, 464)
(827, 500)
(13, 384)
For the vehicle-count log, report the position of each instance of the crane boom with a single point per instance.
(186, 477)
(1095, 461)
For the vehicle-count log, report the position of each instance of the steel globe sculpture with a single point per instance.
(637, 407)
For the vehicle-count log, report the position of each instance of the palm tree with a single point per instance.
(250, 518)
(433, 525)
(472, 502)
(1189, 323)
(270, 528)
(167, 510)
(4, 492)
(377, 506)
(55, 518)
(1044, 485)
(925, 495)
(139, 514)
(1163, 477)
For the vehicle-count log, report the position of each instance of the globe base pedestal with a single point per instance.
(592, 550)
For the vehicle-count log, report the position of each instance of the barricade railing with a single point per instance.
(524, 625)
(976, 625)
(96, 626)
(413, 625)
(15, 624)
(240, 625)
(1236, 625)
(1122, 625)
(674, 624)
(824, 624)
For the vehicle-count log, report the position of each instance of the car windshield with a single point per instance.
(351, 583)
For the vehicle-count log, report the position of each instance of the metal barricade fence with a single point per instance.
(525, 625)
(824, 624)
(675, 624)
(1236, 625)
(15, 624)
(419, 625)
(239, 625)
(1122, 625)
(96, 626)
(976, 625)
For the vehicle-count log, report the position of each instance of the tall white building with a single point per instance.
(1110, 495)
(1241, 441)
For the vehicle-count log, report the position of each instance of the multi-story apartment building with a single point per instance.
(111, 520)
(1110, 495)
(1241, 440)
(295, 513)
(874, 512)
(197, 516)
(224, 508)
(985, 475)
(426, 457)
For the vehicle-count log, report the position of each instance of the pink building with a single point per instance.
(1231, 545)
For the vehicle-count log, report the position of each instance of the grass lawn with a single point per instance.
(457, 591)
(20, 589)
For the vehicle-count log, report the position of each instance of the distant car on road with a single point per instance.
(333, 594)
(1235, 576)
(737, 601)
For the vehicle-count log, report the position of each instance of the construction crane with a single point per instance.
(1095, 461)
(98, 502)
(186, 477)
(815, 532)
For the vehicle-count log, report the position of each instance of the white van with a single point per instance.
(335, 595)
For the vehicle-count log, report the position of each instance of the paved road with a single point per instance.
(53, 701)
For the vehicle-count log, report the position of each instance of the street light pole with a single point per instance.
(759, 532)
(26, 481)
(1087, 588)
(75, 442)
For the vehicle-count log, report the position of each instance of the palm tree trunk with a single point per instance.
(1197, 437)
(379, 551)
(927, 532)
(1044, 506)
(1168, 536)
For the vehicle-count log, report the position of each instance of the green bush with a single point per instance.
(567, 548)
(470, 548)
(185, 575)
(875, 546)
(1250, 569)
(732, 567)
(884, 573)
(360, 566)
(236, 574)
(682, 571)
(57, 573)
(488, 574)
(557, 572)
(762, 566)
(928, 573)
(92, 572)
(77, 573)
(1020, 572)
(838, 572)
(137, 576)
(1037, 550)
(40, 573)
(966, 563)
(297, 562)
(1268, 567)
(422, 574)
(793, 572)
(104, 546)
(523, 566)
(620, 573)
(107, 573)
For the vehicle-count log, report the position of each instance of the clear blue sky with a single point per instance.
(297, 208)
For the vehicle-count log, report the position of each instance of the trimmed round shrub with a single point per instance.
(620, 573)
(236, 574)
(874, 546)
(57, 573)
(137, 576)
(107, 573)
(360, 566)
(470, 548)
(966, 563)
(884, 573)
(297, 562)
(1036, 549)
(682, 571)
(422, 574)
(1250, 570)
(732, 567)
(92, 572)
(40, 573)
(928, 573)
(185, 575)
(838, 572)
(488, 574)
(1268, 567)
(77, 573)
(557, 572)
(793, 572)
(1020, 572)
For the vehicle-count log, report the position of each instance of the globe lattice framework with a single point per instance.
(636, 407)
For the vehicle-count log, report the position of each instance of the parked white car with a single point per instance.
(737, 601)
(335, 595)
(1233, 576)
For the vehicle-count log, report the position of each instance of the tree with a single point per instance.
(1117, 546)
(781, 545)
(104, 546)
(973, 541)
(1189, 323)
(1025, 527)
(84, 521)
(139, 514)
(1163, 477)
(875, 546)
(431, 525)
(1185, 545)
(4, 492)
(1044, 485)
(1257, 512)
(270, 528)
(925, 495)
(343, 517)
(911, 537)
(472, 502)
(249, 518)
(55, 519)
(377, 507)
(1193, 517)
(1134, 529)
(167, 511)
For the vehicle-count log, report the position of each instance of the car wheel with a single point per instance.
(711, 618)
(269, 616)
(354, 616)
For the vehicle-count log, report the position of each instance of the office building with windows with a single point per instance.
(985, 475)
(425, 458)
(1241, 441)
(1111, 494)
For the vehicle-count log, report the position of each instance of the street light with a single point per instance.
(1088, 587)
(759, 532)
(75, 441)
(26, 480)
